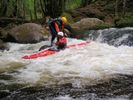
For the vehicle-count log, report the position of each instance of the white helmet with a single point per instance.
(60, 33)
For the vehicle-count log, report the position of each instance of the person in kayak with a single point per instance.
(61, 41)
(55, 26)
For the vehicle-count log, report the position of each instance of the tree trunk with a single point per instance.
(86, 2)
(35, 10)
(116, 8)
(16, 9)
(43, 11)
(24, 13)
(30, 12)
(3, 9)
(54, 8)
(116, 13)
(124, 7)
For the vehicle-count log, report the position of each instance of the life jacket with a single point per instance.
(61, 41)
(56, 25)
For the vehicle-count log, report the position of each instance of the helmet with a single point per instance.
(60, 34)
(64, 19)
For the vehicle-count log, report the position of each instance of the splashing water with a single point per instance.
(83, 65)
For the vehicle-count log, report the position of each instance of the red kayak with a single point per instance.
(47, 52)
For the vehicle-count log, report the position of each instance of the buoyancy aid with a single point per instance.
(61, 40)
(57, 25)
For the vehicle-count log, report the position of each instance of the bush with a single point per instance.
(102, 26)
(125, 22)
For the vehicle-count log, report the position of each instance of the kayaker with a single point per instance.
(55, 26)
(61, 41)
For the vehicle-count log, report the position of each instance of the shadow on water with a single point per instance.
(122, 85)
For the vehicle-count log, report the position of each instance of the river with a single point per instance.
(100, 70)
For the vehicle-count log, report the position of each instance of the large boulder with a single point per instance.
(86, 23)
(26, 33)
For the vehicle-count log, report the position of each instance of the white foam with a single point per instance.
(92, 62)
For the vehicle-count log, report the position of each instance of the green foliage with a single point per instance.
(72, 4)
(29, 9)
(102, 26)
(126, 21)
(10, 8)
(109, 6)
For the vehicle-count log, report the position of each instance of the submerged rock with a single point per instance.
(117, 87)
(3, 46)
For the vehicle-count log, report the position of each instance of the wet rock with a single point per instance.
(8, 89)
(113, 36)
(4, 93)
(121, 85)
(5, 77)
(3, 46)
(26, 33)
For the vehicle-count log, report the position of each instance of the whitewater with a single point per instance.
(80, 66)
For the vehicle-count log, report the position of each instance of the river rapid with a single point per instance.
(101, 70)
